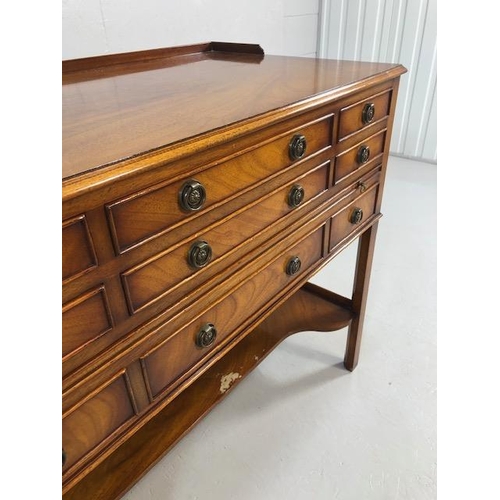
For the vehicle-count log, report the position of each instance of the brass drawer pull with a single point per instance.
(297, 147)
(356, 216)
(206, 336)
(361, 186)
(192, 196)
(363, 154)
(368, 113)
(293, 266)
(296, 195)
(200, 254)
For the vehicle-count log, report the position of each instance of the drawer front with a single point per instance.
(178, 354)
(158, 209)
(363, 113)
(97, 419)
(350, 217)
(78, 254)
(159, 276)
(85, 319)
(363, 153)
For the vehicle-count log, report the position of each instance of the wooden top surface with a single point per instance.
(117, 107)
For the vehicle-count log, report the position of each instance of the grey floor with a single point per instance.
(301, 427)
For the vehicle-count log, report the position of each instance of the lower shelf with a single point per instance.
(310, 308)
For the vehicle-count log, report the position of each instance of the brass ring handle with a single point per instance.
(206, 336)
(192, 195)
(200, 254)
(296, 195)
(293, 266)
(297, 147)
(368, 113)
(356, 216)
(361, 186)
(363, 154)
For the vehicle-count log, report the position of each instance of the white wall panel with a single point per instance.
(301, 35)
(396, 31)
(83, 31)
(301, 7)
(353, 29)
(372, 30)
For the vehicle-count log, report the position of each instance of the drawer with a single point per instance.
(97, 419)
(350, 217)
(84, 320)
(180, 354)
(158, 209)
(160, 275)
(79, 254)
(363, 113)
(363, 153)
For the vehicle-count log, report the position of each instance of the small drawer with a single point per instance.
(350, 217)
(78, 254)
(179, 355)
(363, 113)
(190, 264)
(85, 319)
(97, 419)
(157, 210)
(361, 154)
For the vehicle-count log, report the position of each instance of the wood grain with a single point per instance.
(136, 127)
(107, 120)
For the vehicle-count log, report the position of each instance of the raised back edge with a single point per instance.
(89, 63)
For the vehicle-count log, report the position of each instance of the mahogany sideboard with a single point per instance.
(202, 187)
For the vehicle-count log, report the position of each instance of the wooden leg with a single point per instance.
(359, 295)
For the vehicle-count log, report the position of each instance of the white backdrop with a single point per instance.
(95, 27)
